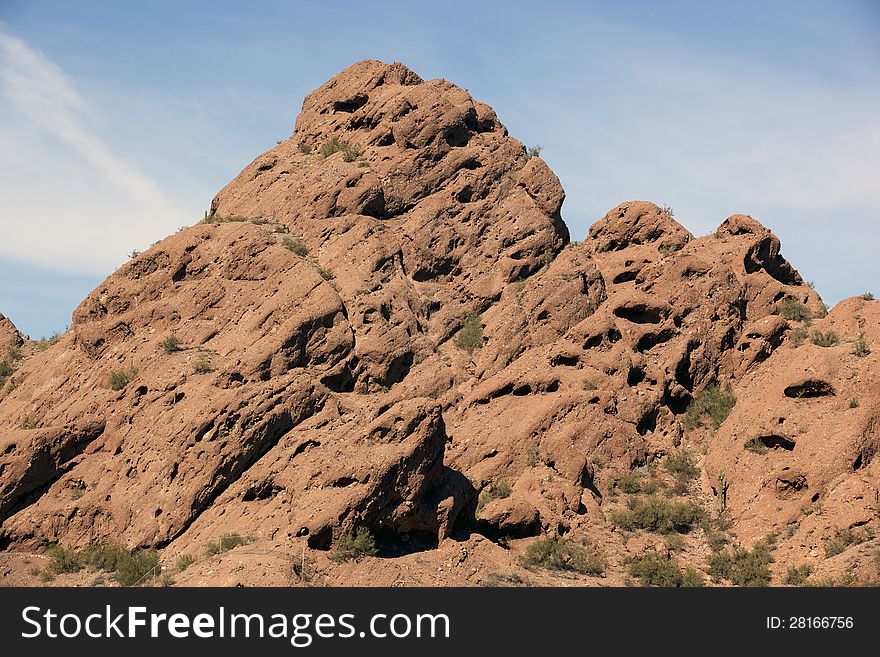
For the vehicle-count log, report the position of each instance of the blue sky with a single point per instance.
(120, 121)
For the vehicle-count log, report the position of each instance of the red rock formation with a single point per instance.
(314, 384)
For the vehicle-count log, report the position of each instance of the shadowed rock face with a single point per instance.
(315, 385)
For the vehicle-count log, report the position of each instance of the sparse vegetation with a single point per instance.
(226, 543)
(868, 296)
(355, 545)
(843, 539)
(494, 491)
(845, 580)
(533, 151)
(202, 366)
(742, 567)
(682, 465)
(668, 249)
(860, 346)
(755, 445)
(588, 384)
(799, 336)
(470, 337)
(557, 554)
(827, 339)
(533, 456)
(335, 145)
(652, 569)
(795, 311)
(629, 483)
(326, 274)
(674, 542)
(184, 561)
(296, 245)
(656, 514)
(118, 379)
(62, 560)
(128, 567)
(224, 219)
(44, 343)
(668, 211)
(853, 402)
(171, 344)
(714, 531)
(798, 575)
(711, 402)
(7, 365)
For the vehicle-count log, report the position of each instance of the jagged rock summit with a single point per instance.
(382, 324)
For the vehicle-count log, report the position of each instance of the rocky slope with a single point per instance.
(382, 324)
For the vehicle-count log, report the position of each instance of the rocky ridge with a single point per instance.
(382, 324)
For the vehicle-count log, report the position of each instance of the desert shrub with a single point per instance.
(860, 347)
(854, 402)
(137, 567)
(118, 379)
(799, 336)
(295, 245)
(533, 454)
(842, 539)
(224, 219)
(755, 445)
(62, 560)
(711, 402)
(742, 567)
(827, 339)
(668, 249)
(202, 366)
(651, 569)
(556, 554)
(104, 556)
(470, 337)
(656, 514)
(588, 384)
(171, 344)
(6, 369)
(845, 580)
(335, 145)
(629, 482)
(326, 274)
(128, 568)
(798, 575)
(355, 545)
(184, 561)
(717, 540)
(494, 491)
(793, 310)
(682, 464)
(867, 296)
(533, 151)
(227, 542)
(44, 343)
(674, 542)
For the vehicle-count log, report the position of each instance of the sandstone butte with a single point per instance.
(382, 325)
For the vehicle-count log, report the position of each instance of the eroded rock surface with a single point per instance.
(292, 368)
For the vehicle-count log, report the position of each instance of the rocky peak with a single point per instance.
(382, 320)
(638, 222)
(10, 337)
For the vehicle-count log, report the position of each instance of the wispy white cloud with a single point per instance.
(42, 101)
